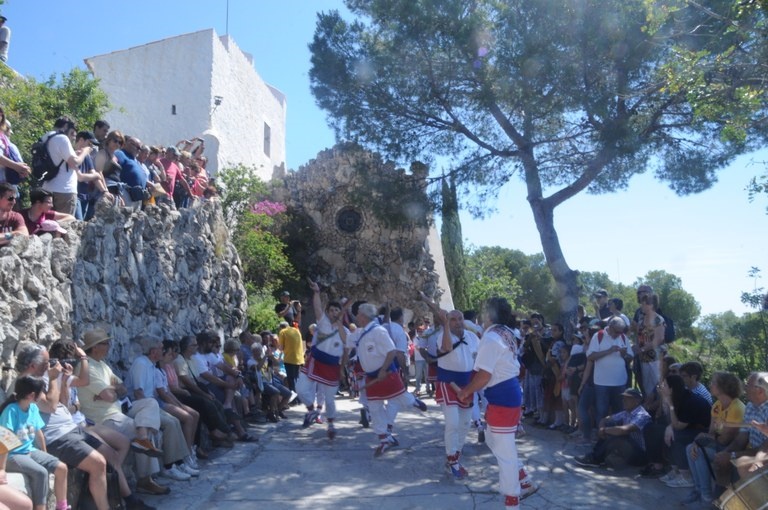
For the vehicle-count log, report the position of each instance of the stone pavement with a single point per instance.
(295, 468)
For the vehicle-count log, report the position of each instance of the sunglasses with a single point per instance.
(11, 198)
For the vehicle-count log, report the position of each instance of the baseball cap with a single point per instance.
(632, 392)
(174, 150)
(285, 293)
(601, 293)
(88, 135)
(52, 226)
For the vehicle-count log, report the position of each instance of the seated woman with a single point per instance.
(689, 416)
(187, 416)
(20, 414)
(726, 388)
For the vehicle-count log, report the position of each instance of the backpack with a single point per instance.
(43, 167)
(669, 330)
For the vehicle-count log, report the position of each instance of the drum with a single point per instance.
(749, 494)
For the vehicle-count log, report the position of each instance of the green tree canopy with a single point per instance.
(567, 95)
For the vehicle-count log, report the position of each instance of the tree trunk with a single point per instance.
(565, 278)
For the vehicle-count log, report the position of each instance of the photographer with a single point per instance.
(288, 310)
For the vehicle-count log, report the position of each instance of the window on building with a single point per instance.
(267, 139)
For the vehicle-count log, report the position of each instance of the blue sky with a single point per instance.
(710, 240)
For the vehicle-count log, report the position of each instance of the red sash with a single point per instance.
(390, 387)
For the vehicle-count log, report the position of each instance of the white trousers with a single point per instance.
(504, 449)
(457, 421)
(384, 412)
(308, 389)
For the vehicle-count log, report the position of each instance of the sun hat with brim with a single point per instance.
(94, 337)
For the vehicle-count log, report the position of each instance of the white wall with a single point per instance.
(193, 69)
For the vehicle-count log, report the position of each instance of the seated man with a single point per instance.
(621, 433)
(751, 443)
(176, 453)
(100, 401)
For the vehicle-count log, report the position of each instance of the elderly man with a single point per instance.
(621, 433)
(751, 441)
(176, 454)
(100, 402)
(84, 449)
(383, 385)
(608, 349)
(323, 368)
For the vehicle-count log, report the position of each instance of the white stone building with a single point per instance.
(201, 85)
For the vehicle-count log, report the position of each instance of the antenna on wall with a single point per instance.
(226, 27)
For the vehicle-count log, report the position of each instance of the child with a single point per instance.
(20, 414)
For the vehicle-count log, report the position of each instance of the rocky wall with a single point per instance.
(159, 271)
(358, 253)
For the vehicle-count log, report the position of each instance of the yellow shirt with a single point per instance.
(734, 413)
(292, 345)
(102, 378)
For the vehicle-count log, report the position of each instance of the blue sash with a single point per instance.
(324, 357)
(375, 373)
(506, 393)
(449, 376)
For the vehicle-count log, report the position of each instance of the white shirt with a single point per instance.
(497, 354)
(462, 358)
(610, 370)
(142, 376)
(375, 344)
(400, 339)
(60, 150)
(332, 344)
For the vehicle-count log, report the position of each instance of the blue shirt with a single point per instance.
(760, 415)
(638, 417)
(24, 424)
(83, 188)
(131, 174)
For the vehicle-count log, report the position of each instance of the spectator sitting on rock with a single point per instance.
(40, 210)
(101, 404)
(621, 433)
(11, 223)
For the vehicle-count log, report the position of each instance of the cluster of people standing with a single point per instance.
(93, 166)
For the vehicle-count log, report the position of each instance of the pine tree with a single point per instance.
(453, 246)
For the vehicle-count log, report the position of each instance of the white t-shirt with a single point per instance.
(143, 376)
(332, 344)
(497, 354)
(374, 346)
(610, 370)
(61, 150)
(462, 358)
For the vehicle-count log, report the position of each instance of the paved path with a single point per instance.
(295, 468)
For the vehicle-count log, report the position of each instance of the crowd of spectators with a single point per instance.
(93, 166)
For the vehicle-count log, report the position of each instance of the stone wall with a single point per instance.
(161, 271)
(357, 252)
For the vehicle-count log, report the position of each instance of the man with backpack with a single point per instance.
(60, 172)
(608, 349)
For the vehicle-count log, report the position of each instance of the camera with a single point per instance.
(69, 361)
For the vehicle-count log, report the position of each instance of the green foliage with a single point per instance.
(256, 235)
(675, 302)
(261, 311)
(453, 247)
(32, 107)
(241, 189)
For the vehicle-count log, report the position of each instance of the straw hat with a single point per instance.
(94, 337)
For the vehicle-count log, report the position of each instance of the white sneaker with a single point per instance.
(669, 476)
(186, 468)
(191, 460)
(175, 474)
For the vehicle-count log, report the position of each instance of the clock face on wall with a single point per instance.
(349, 220)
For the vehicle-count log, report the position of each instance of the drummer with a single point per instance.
(751, 441)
